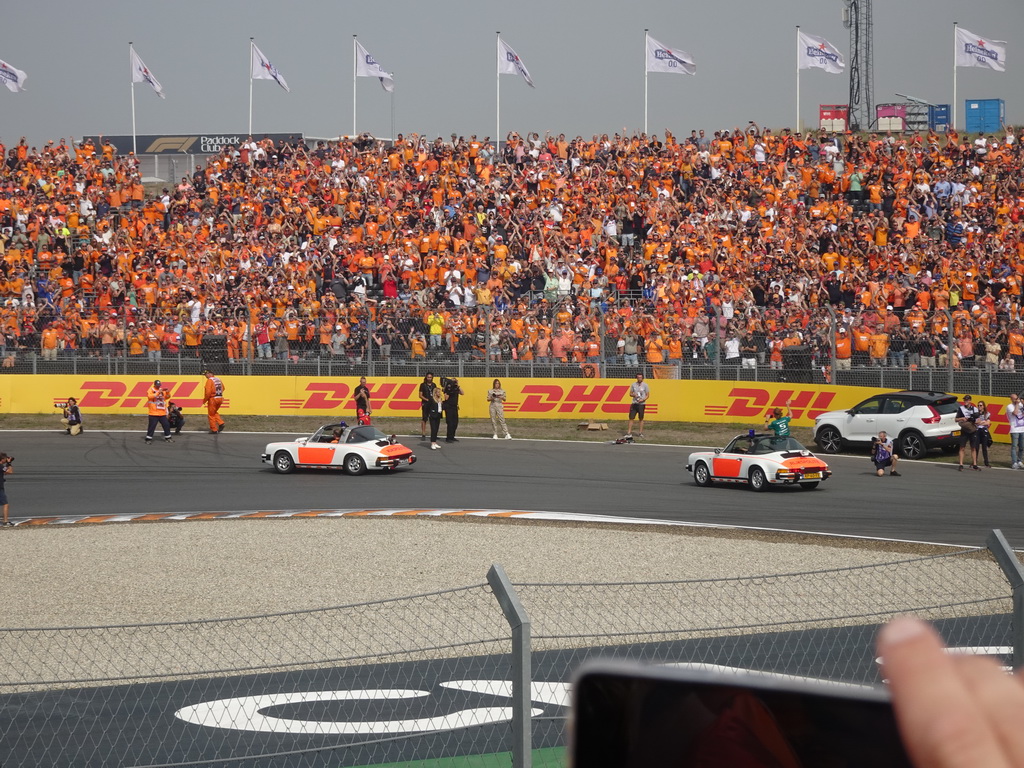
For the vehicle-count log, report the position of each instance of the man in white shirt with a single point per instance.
(1015, 416)
(639, 391)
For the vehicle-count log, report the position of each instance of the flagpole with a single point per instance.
(796, 127)
(250, 85)
(953, 116)
(646, 45)
(497, 91)
(132, 68)
(355, 66)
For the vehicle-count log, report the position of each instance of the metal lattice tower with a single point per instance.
(858, 19)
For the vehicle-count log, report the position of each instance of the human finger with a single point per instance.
(1000, 697)
(936, 713)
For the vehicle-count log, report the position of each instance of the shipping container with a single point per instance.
(833, 117)
(984, 115)
(891, 117)
(938, 117)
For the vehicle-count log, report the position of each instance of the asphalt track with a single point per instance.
(115, 472)
(102, 473)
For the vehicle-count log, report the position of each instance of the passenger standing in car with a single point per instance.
(779, 423)
(361, 395)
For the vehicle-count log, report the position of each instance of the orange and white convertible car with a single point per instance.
(759, 460)
(339, 446)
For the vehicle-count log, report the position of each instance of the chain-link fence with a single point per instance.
(313, 688)
(479, 673)
(392, 338)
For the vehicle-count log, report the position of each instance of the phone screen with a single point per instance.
(658, 716)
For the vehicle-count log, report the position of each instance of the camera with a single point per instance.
(60, 405)
(446, 382)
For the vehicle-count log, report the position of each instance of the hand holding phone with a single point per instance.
(633, 716)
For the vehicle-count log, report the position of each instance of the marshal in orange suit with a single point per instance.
(213, 397)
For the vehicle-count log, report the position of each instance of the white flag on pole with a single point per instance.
(509, 63)
(818, 53)
(141, 74)
(974, 51)
(12, 77)
(367, 66)
(661, 58)
(262, 69)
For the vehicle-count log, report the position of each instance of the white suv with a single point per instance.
(915, 421)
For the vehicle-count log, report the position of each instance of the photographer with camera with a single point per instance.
(883, 455)
(451, 389)
(72, 418)
(175, 417)
(6, 468)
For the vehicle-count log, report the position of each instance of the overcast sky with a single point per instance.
(586, 59)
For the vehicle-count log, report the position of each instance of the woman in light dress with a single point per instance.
(496, 397)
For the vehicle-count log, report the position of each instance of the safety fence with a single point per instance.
(944, 352)
(480, 673)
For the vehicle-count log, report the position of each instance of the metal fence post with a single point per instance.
(950, 349)
(515, 614)
(717, 336)
(487, 342)
(833, 322)
(1014, 573)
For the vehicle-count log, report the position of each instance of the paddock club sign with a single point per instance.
(188, 143)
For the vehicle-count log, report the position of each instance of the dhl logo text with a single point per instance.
(117, 394)
(752, 403)
(536, 398)
(331, 396)
(582, 398)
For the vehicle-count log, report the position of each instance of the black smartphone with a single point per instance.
(628, 715)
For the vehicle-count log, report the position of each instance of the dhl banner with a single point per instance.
(579, 399)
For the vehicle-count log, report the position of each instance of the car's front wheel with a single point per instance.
(809, 486)
(829, 439)
(702, 475)
(758, 479)
(354, 464)
(911, 445)
(283, 462)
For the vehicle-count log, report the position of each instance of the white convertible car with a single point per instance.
(339, 446)
(759, 460)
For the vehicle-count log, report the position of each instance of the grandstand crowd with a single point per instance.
(728, 247)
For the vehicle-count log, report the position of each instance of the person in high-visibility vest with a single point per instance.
(157, 403)
(213, 398)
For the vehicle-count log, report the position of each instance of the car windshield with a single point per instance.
(365, 435)
(762, 444)
(326, 433)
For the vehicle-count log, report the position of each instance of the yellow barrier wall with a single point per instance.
(577, 399)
